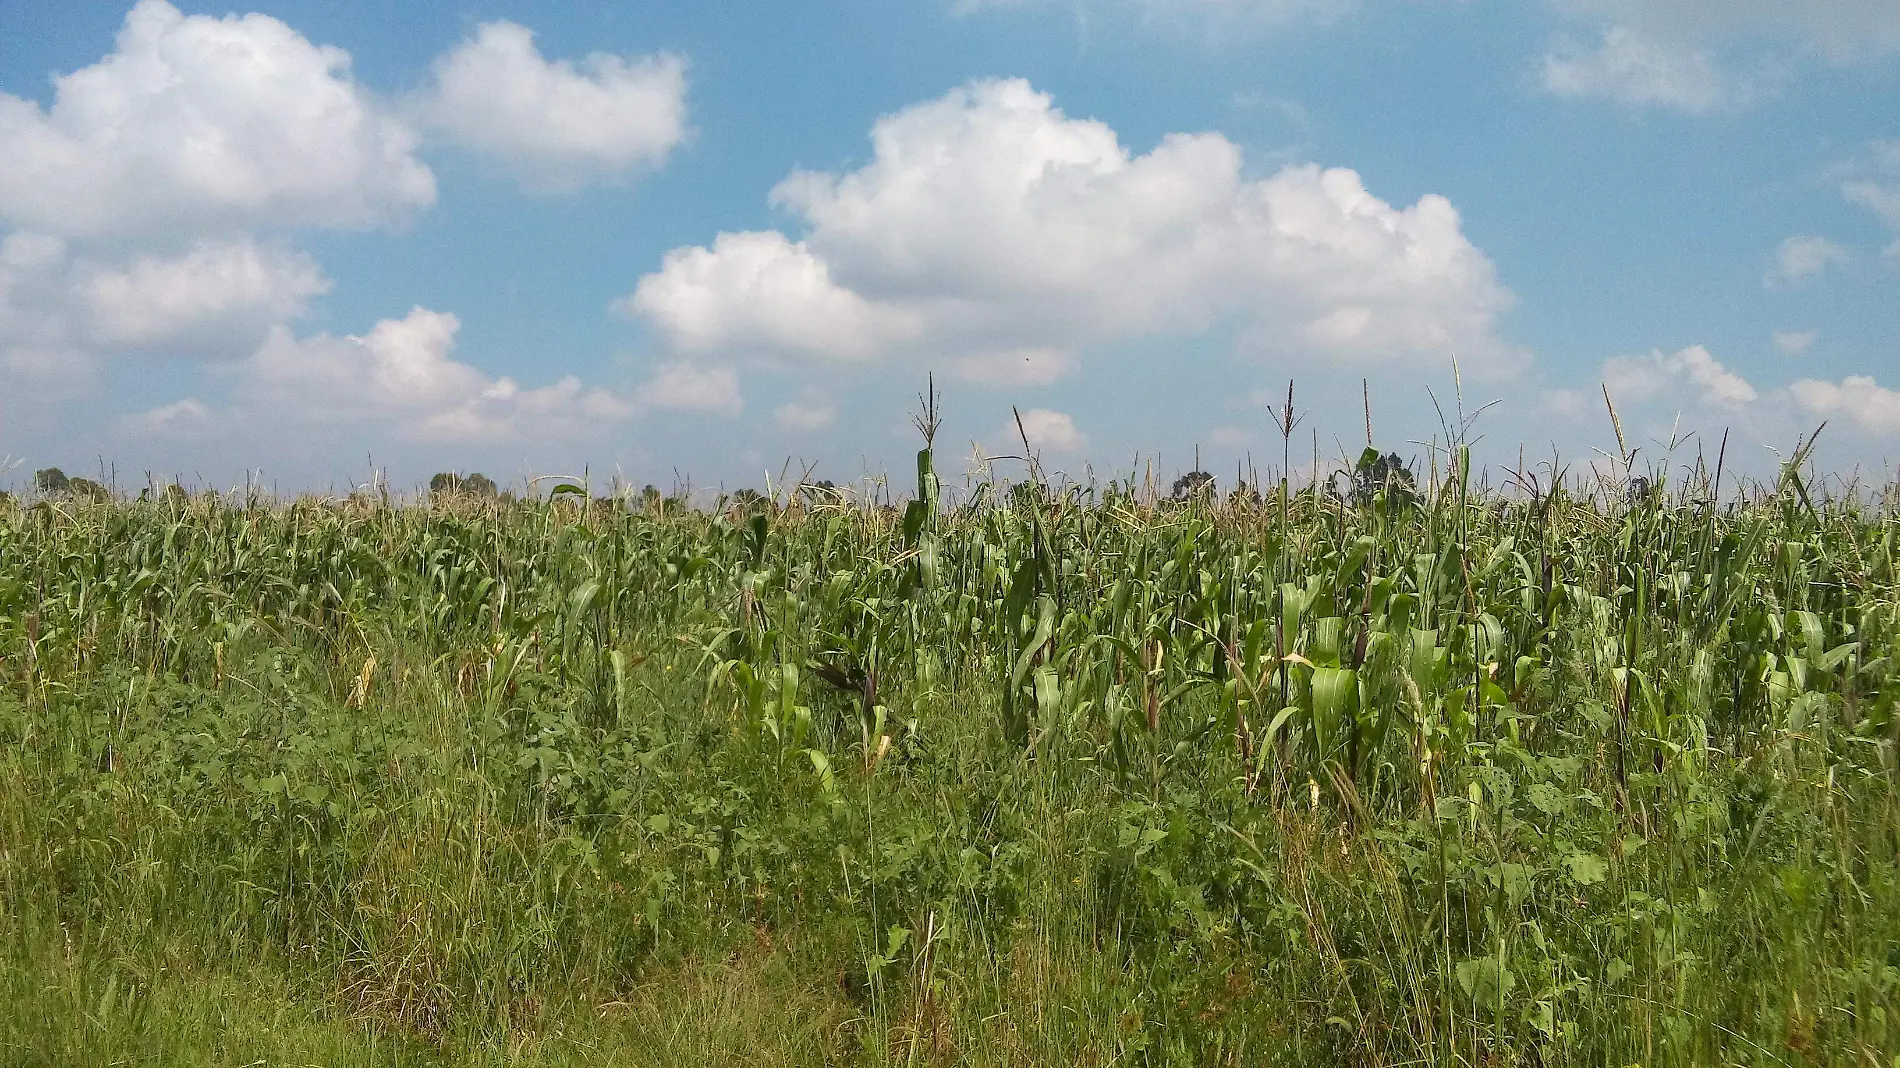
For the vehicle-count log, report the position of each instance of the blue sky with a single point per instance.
(708, 240)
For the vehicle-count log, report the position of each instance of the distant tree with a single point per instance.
(824, 491)
(748, 500)
(474, 484)
(1033, 494)
(1375, 474)
(6, 499)
(51, 480)
(87, 489)
(175, 494)
(1192, 484)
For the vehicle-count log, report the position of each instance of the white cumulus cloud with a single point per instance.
(1569, 404)
(216, 300)
(1864, 402)
(1232, 437)
(400, 376)
(1031, 366)
(179, 419)
(1704, 55)
(1641, 378)
(557, 124)
(1796, 342)
(1627, 66)
(1802, 257)
(1836, 30)
(999, 236)
(761, 293)
(154, 298)
(1877, 186)
(37, 332)
(196, 123)
(1262, 12)
(687, 387)
(1882, 200)
(1050, 430)
(810, 410)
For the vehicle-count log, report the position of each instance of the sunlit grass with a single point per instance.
(1403, 774)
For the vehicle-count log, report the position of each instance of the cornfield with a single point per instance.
(1061, 774)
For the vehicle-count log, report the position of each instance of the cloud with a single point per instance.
(1840, 31)
(65, 311)
(1703, 55)
(1568, 404)
(1857, 402)
(1030, 366)
(1859, 398)
(145, 208)
(219, 283)
(1642, 378)
(196, 124)
(1796, 342)
(37, 335)
(971, 7)
(401, 373)
(1877, 186)
(398, 377)
(993, 234)
(1259, 12)
(399, 365)
(1882, 200)
(1231, 437)
(1631, 68)
(810, 410)
(179, 419)
(1802, 257)
(761, 293)
(683, 386)
(1048, 430)
(557, 125)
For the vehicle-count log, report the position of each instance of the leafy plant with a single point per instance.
(1412, 771)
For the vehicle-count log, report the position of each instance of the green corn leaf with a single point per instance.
(1335, 703)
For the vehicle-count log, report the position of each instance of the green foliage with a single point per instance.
(85, 489)
(747, 500)
(1383, 480)
(1191, 485)
(1401, 776)
(51, 480)
(475, 484)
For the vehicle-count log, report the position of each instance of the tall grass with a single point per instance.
(1446, 776)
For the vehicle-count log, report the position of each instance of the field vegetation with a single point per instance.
(1393, 769)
